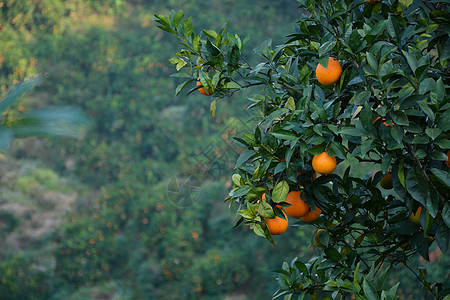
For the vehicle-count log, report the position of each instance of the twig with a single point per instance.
(291, 88)
(420, 279)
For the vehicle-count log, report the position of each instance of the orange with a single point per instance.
(202, 91)
(324, 163)
(298, 207)
(415, 217)
(386, 181)
(311, 215)
(331, 74)
(277, 225)
(448, 161)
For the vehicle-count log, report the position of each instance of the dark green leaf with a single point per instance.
(399, 118)
(284, 134)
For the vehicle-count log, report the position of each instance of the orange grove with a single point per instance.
(331, 74)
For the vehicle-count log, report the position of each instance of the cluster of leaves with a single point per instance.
(389, 108)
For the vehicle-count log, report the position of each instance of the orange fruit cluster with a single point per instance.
(298, 209)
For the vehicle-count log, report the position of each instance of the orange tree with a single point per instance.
(385, 102)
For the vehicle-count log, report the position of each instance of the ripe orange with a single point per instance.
(324, 163)
(202, 91)
(331, 74)
(298, 207)
(386, 181)
(448, 161)
(311, 215)
(415, 217)
(277, 225)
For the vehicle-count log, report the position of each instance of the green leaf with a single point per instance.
(370, 291)
(442, 176)
(326, 47)
(265, 210)
(427, 85)
(161, 19)
(443, 143)
(187, 27)
(231, 85)
(373, 63)
(237, 179)
(233, 57)
(181, 86)
(411, 60)
(258, 230)
(177, 18)
(446, 214)
(416, 186)
(280, 192)
(433, 133)
(332, 253)
(443, 237)
(352, 131)
(211, 33)
(361, 97)
(426, 109)
(196, 43)
(397, 134)
(274, 115)
(378, 28)
(290, 103)
(438, 155)
(243, 158)
(212, 109)
(438, 95)
(399, 118)
(284, 134)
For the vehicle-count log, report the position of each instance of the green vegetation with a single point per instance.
(357, 79)
(133, 207)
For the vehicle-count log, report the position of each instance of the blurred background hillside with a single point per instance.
(135, 209)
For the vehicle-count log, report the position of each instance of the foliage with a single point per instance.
(20, 278)
(390, 108)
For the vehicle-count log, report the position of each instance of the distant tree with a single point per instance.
(361, 81)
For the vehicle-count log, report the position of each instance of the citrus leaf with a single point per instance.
(280, 192)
